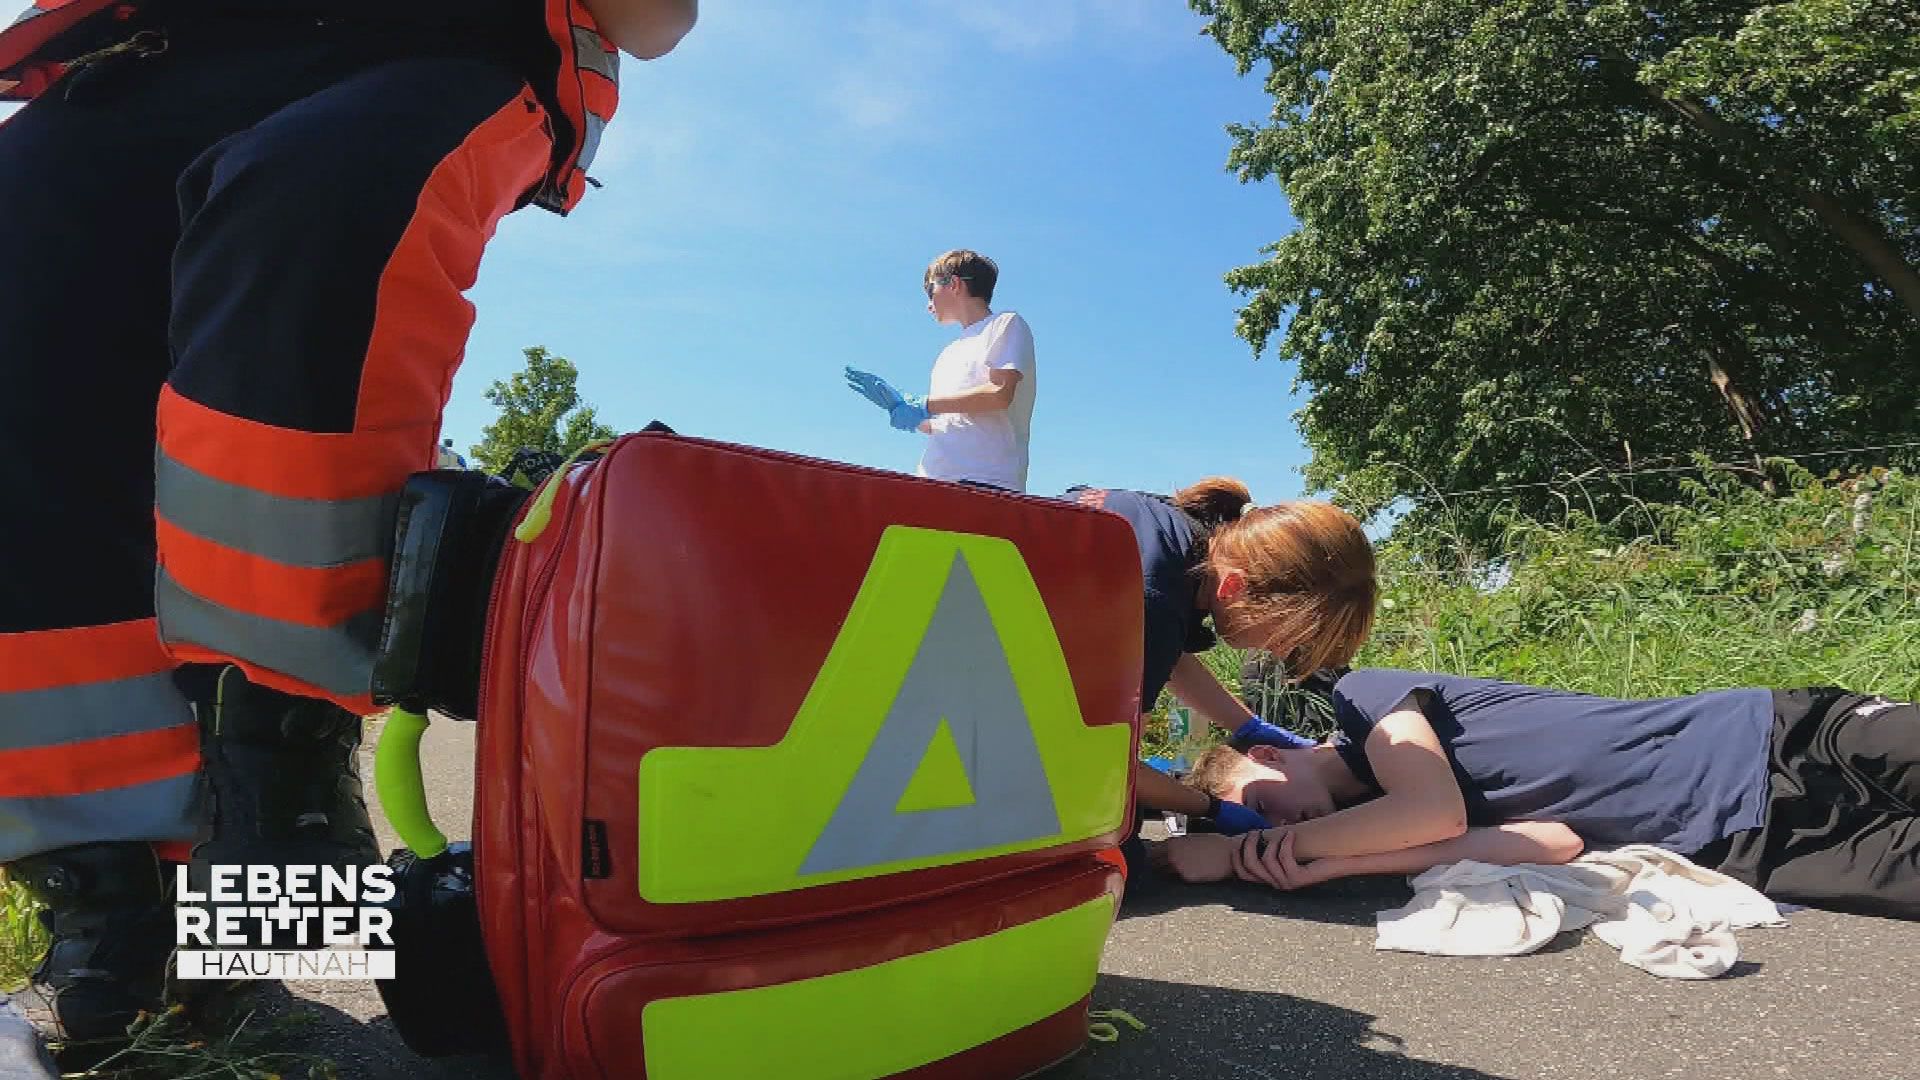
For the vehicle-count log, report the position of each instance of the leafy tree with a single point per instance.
(540, 408)
(1544, 237)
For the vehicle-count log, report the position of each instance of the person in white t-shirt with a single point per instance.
(448, 457)
(979, 404)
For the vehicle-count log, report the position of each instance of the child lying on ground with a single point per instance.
(1811, 796)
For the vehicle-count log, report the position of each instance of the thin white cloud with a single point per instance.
(765, 110)
(885, 66)
(656, 141)
(893, 58)
(1101, 28)
(1023, 27)
(872, 102)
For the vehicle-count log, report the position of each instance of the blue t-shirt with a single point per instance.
(1172, 546)
(1676, 772)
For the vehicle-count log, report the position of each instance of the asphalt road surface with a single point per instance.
(1246, 984)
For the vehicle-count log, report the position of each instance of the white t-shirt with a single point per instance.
(985, 447)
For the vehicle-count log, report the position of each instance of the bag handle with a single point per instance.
(402, 787)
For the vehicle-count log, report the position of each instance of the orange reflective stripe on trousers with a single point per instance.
(96, 741)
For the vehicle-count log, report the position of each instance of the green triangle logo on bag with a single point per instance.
(942, 728)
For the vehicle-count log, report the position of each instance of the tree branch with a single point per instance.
(1859, 232)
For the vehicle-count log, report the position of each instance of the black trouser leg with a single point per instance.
(1843, 815)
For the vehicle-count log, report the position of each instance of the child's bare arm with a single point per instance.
(1422, 803)
(1546, 843)
(1196, 857)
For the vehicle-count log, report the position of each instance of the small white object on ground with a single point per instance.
(1665, 915)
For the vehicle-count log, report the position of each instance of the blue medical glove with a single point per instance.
(874, 389)
(909, 414)
(1261, 733)
(1233, 819)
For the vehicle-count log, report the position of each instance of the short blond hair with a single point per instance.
(979, 272)
(1216, 770)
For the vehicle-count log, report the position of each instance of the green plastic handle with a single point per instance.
(403, 791)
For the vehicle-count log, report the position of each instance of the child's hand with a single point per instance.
(1264, 857)
(1197, 857)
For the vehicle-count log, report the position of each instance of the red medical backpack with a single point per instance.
(786, 768)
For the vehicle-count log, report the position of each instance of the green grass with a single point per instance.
(21, 938)
(1736, 589)
(1817, 587)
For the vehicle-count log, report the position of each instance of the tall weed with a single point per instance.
(1816, 586)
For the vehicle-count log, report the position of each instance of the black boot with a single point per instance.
(110, 914)
(284, 784)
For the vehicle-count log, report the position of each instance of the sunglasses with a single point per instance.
(934, 285)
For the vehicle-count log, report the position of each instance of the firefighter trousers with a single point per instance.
(236, 263)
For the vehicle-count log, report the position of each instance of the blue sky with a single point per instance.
(775, 187)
